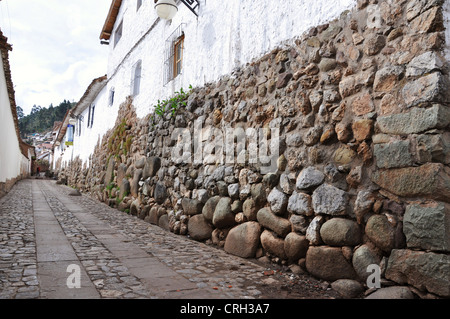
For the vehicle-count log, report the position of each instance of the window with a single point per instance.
(111, 96)
(92, 115)
(173, 64)
(139, 3)
(136, 79)
(89, 116)
(178, 56)
(90, 120)
(118, 33)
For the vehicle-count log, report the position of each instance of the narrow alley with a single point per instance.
(46, 235)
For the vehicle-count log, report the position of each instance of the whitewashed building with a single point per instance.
(88, 121)
(151, 58)
(15, 155)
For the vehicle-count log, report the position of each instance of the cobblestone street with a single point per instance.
(43, 230)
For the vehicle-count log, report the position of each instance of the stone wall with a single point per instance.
(362, 110)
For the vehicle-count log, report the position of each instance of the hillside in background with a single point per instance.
(42, 119)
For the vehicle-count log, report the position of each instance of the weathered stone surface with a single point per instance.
(313, 231)
(393, 155)
(343, 132)
(278, 201)
(362, 258)
(387, 78)
(329, 200)
(431, 180)
(233, 190)
(191, 206)
(434, 148)
(426, 89)
(425, 271)
(328, 263)
(344, 155)
(273, 244)
(249, 209)
(300, 204)
(348, 288)
(160, 193)
(299, 223)
(381, 232)
(243, 240)
(125, 189)
(134, 186)
(110, 171)
(295, 246)
(427, 226)
(430, 20)
(425, 63)
(121, 174)
(223, 216)
(340, 232)
(258, 194)
(283, 80)
(309, 177)
(392, 293)
(269, 220)
(374, 44)
(199, 228)
(363, 104)
(152, 166)
(327, 64)
(350, 85)
(416, 121)
(362, 129)
(363, 204)
(210, 206)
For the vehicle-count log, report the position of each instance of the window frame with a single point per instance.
(136, 79)
(178, 56)
(118, 33)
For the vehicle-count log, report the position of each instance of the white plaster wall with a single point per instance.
(226, 35)
(104, 119)
(10, 154)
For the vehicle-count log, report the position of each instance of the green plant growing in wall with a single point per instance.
(173, 104)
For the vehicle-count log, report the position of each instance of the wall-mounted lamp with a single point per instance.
(167, 9)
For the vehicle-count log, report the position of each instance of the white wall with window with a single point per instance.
(226, 35)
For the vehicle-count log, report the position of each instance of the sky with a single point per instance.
(56, 48)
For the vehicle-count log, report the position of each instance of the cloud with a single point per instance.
(56, 49)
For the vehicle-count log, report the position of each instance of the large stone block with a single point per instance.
(431, 180)
(340, 232)
(415, 121)
(329, 200)
(328, 263)
(427, 226)
(243, 240)
(426, 89)
(273, 244)
(269, 220)
(393, 155)
(425, 271)
(110, 171)
(381, 232)
(198, 228)
(295, 246)
(151, 167)
(223, 216)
